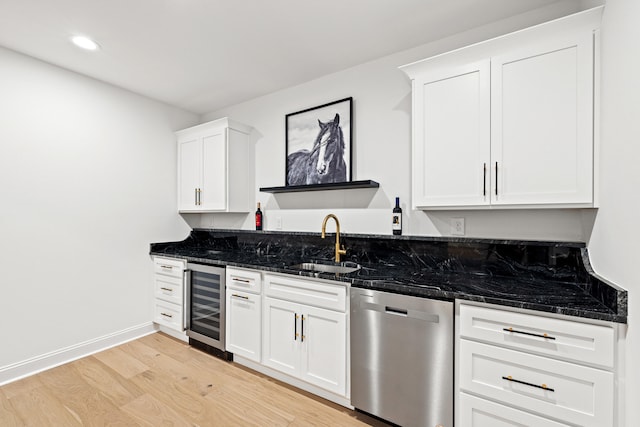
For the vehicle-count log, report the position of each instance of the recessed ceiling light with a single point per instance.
(84, 42)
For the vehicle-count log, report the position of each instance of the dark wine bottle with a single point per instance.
(396, 224)
(258, 218)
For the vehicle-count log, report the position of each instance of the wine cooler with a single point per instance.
(205, 307)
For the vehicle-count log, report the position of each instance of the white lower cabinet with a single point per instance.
(168, 288)
(244, 313)
(304, 341)
(525, 369)
(295, 326)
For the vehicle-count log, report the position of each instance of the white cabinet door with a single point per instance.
(214, 171)
(189, 155)
(324, 348)
(281, 337)
(542, 123)
(243, 324)
(451, 136)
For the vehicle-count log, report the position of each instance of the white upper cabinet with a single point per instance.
(213, 167)
(508, 122)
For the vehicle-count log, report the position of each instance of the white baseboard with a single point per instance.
(59, 357)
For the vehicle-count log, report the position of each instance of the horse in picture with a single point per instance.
(324, 163)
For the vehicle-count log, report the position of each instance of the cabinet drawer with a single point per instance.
(244, 280)
(168, 267)
(565, 339)
(561, 390)
(168, 314)
(169, 288)
(476, 412)
(309, 292)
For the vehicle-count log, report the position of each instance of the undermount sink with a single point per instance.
(327, 268)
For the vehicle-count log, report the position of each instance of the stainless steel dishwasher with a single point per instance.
(402, 358)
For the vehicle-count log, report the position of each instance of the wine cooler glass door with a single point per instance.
(206, 308)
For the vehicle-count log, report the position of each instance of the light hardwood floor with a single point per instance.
(159, 381)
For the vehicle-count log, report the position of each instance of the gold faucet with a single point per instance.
(339, 250)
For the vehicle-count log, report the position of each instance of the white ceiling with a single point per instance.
(202, 55)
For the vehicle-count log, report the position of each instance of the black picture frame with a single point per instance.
(325, 130)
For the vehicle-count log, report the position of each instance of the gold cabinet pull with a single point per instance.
(515, 331)
(513, 380)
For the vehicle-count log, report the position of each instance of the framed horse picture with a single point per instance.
(318, 144)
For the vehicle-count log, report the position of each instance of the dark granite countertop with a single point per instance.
(553, 277)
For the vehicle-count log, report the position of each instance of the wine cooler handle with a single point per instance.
(186, 310)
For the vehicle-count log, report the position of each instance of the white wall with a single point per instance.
(615, 238)
(87, 181)
(381, 151)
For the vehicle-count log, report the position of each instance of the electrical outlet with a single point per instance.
(457, 226)
(278, 223)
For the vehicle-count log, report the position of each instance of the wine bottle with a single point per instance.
(258, 218)
(396, 224)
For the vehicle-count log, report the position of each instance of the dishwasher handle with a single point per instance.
(402, 312)
(397, 311)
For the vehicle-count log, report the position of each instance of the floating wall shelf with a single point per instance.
(317, 187)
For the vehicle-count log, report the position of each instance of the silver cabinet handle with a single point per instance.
(186, 309)
(166, 267)
(235, 279)
(166, 289)
(195, 196)
(239, 296)
(167, 315)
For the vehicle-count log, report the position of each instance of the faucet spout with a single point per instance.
(340, 250)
